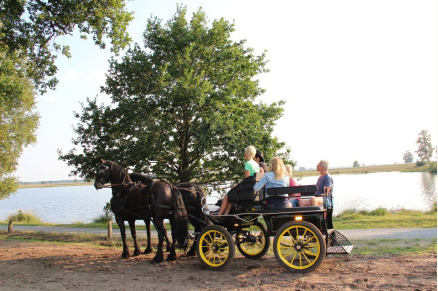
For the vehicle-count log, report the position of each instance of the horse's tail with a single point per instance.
(180, 226)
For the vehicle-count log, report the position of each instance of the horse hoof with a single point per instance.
(191, 253)
(158, 259)
(147, 251)
(171, 258)
(137, 253)
(125, 256)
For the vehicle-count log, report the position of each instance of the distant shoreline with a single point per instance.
(412, 167)
(53, 184)
(304, 173)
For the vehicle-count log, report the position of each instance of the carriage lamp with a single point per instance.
(298, 218)
(236, 225)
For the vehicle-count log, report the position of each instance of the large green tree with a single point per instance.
(29, 31)
(184, 106)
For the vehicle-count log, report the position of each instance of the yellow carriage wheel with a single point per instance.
(299, 246)
(215, 247)
(254, 241)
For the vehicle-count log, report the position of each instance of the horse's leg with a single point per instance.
(134, 236)
(159, 226)
(192, 251)
(172, 253)
(166, 237)
(121, 224)
(148, 249)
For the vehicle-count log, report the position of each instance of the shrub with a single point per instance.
(420, 163)
(378, 212)
(24, 217)
(433, 167)
(101, 219)
(107, 214)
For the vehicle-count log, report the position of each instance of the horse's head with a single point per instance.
(102, 175)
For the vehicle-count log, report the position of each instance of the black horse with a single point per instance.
(192, 195)
(157, 201)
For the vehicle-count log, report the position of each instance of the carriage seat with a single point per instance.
(243, 192)
(305, 190)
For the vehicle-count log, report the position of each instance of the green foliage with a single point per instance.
(184, 106)
(408, 157)
(28, 50)
(425, 148)
(18, 121)
(29, 30)
(356, 164)
(24, 217)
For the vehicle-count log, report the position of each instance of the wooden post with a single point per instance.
(110, 229)
(10, 226)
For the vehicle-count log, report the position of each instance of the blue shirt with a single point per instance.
(268, 180)
(324, 181)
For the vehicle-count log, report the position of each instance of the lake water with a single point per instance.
(391, 190)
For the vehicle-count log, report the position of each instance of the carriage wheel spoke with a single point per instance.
(309, 239)
(308, 252)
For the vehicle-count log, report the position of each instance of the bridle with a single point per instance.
(105, 179)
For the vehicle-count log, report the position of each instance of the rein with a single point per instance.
(113, 185)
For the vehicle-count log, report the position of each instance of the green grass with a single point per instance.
(382, 218)
(382, 247)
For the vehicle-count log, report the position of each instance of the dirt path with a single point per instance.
(46, 266)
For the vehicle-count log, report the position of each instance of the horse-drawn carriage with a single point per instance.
(301, 235)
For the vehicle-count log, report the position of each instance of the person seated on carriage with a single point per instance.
(251, 167)
(325, 181)
(294, 197)
(261, 161)
(275, 177)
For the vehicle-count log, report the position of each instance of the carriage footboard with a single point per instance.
(337, 243)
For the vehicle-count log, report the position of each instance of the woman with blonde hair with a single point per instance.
(275, 177)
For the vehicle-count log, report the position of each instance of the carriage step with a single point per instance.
(338, 243)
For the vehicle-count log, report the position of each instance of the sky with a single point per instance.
(360, 78)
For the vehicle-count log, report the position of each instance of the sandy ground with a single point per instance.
(46, 266)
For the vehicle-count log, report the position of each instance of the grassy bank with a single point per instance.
(370, 169)
(382, 218)
(48, 185)
(349, 219)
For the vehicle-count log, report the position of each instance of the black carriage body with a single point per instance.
(301, 234)
(249, 206)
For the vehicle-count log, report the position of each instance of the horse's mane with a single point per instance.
(140, 178)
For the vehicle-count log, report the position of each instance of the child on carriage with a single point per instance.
(251, 167)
